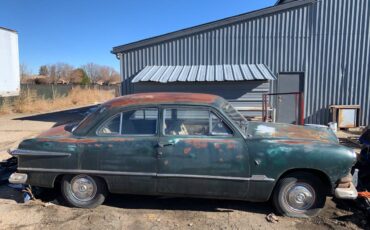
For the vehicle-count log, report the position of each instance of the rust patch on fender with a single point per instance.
(231, 146)
(75, 141)
(199, 144)
(203, 143)
(187, 150)
(293, 142)
(292, 131)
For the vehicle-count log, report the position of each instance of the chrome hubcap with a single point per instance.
(300, 197)
(83, 188)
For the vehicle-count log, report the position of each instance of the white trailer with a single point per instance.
(9, 63)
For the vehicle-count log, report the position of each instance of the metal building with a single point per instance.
(320, 47)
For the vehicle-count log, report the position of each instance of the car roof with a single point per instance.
(162, 98)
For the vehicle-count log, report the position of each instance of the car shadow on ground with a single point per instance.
(7, 193)
(185, 204)
(148, 202)
(359, 216)
(61, 117)
(348, 211)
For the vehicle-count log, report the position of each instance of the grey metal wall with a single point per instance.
(240, 94)
(328, 40)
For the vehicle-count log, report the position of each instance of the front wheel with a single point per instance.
(83, 191)
(299, 195)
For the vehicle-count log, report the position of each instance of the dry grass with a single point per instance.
(6, 106)
(29, 102)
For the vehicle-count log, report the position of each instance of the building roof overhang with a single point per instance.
(204, 73)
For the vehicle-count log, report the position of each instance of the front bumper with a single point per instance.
(18, 178)
(346, 188)
(349, 193)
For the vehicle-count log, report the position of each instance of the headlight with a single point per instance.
(353, 155)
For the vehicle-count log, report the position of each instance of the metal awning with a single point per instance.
(204, 73)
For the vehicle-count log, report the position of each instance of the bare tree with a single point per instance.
(60, 71)
(101, 73)
(92, 70)
(24, 70)
(108, 74)
(52, 73)
(64, 70)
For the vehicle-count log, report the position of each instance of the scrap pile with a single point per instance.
(363, 165)
(7, 167)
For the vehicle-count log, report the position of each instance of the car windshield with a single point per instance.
(235, 115)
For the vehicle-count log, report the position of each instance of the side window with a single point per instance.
(218, 127)
(140, 122)
(135, 122)
(112, 126)
(186, 122)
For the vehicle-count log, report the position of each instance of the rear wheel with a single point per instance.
(299, 195)
(83, 191)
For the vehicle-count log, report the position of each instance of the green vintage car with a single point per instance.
(193, 145)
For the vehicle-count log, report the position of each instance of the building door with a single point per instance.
(288, 106)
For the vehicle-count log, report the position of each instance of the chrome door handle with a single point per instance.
(164, 144)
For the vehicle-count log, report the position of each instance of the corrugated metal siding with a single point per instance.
(245, 95)
(328, 40)
(204, 73)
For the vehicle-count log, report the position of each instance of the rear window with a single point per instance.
(135, 122)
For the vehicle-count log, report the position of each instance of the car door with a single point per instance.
(200, 154)
(126, 150)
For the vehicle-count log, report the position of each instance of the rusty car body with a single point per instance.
(194, 145)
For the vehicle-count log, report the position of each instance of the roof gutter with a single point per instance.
(211, 25)
(7, 29)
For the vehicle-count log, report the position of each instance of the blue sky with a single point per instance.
(81, 31)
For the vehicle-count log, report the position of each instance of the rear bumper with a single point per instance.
(18, 178)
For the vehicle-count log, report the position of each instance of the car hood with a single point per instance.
(287, 131)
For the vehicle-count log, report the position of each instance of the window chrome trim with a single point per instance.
(253, 178)
(97, 132)
(120, 123)
(222, 120)
(82, 171)
(263, 178)
(24, 152)
(120, 126)
(203, 177)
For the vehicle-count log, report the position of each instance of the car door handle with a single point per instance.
(164, 144)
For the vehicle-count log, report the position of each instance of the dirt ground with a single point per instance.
(141, 212)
